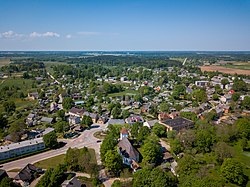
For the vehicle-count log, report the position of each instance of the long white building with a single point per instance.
(21, 148)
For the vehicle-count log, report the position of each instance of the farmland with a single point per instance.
(4, 61)
(225, 70)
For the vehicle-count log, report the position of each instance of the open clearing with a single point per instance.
(4, 61)
(225, 70)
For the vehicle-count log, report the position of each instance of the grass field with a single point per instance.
(48, 65)
(225, 70)
(4, 61)
(126, 92)
(54, 161)
(24, 84)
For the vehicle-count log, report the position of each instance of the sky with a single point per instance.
(114, 25)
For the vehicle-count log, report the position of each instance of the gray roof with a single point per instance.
(116, 121)
(73, 182)
(27, 173)
(151, 123)
(126, 147)
(48, 130)
(20, 144)
(46, 119)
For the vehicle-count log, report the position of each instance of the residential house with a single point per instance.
(163, 116)
(123, 133)
(127, 151)
(102, 120)
(177, 124)
(150, 124)
(76, 112)
(201, 83)
(133, 119)
(226, 98)
(116, 122)
(47, 120)
(145, 108)
(27, 175)
(3, 174)
(73, 182)
(93, 116)
(74, 120)
(33, 95)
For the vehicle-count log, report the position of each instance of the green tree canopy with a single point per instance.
(159, 130)
(113, 161)
(232, 171)
(67, 103)
(50, 140)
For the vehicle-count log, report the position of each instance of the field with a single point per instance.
(4, 61)
(225, 70)
(126, 92)
(54, 161)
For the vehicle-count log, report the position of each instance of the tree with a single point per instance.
(62, 126)
(50, 140)
(159, 130)
(26, 75)
(224, 82)
(67, 103)
(6, 182)
(116, 183)
(3, 121)
(152, 178)
(151, 150)
(189, 115)
(113, 161)
(222, 151)
(61, 114)
(125, 114)
(235, 96)
(200, 95)
(239, 85)
(87, 120)
(232, 171)
(135, 129)
(71, 159)
(9, 106)
(108, 143)
(243, 127)
(143, 133)
(164, 107)
(176, 146)
(246, 102)
(204, 140)
(116, 112)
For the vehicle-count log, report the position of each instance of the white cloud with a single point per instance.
(10, 35)
(46, 34)
(86, 33)
(68, 36)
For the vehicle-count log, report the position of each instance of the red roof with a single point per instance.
(124, 130)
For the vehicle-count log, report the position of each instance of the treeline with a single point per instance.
(125, 61)
(19, 66)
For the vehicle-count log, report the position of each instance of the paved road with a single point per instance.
(86, 139)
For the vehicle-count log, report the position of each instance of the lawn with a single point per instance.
(51, 162)
(126, 92)
(23, 84)
(54, 161)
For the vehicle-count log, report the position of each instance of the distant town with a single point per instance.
(124, 119)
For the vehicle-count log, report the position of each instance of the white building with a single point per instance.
(201, 83)
(21, 148)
